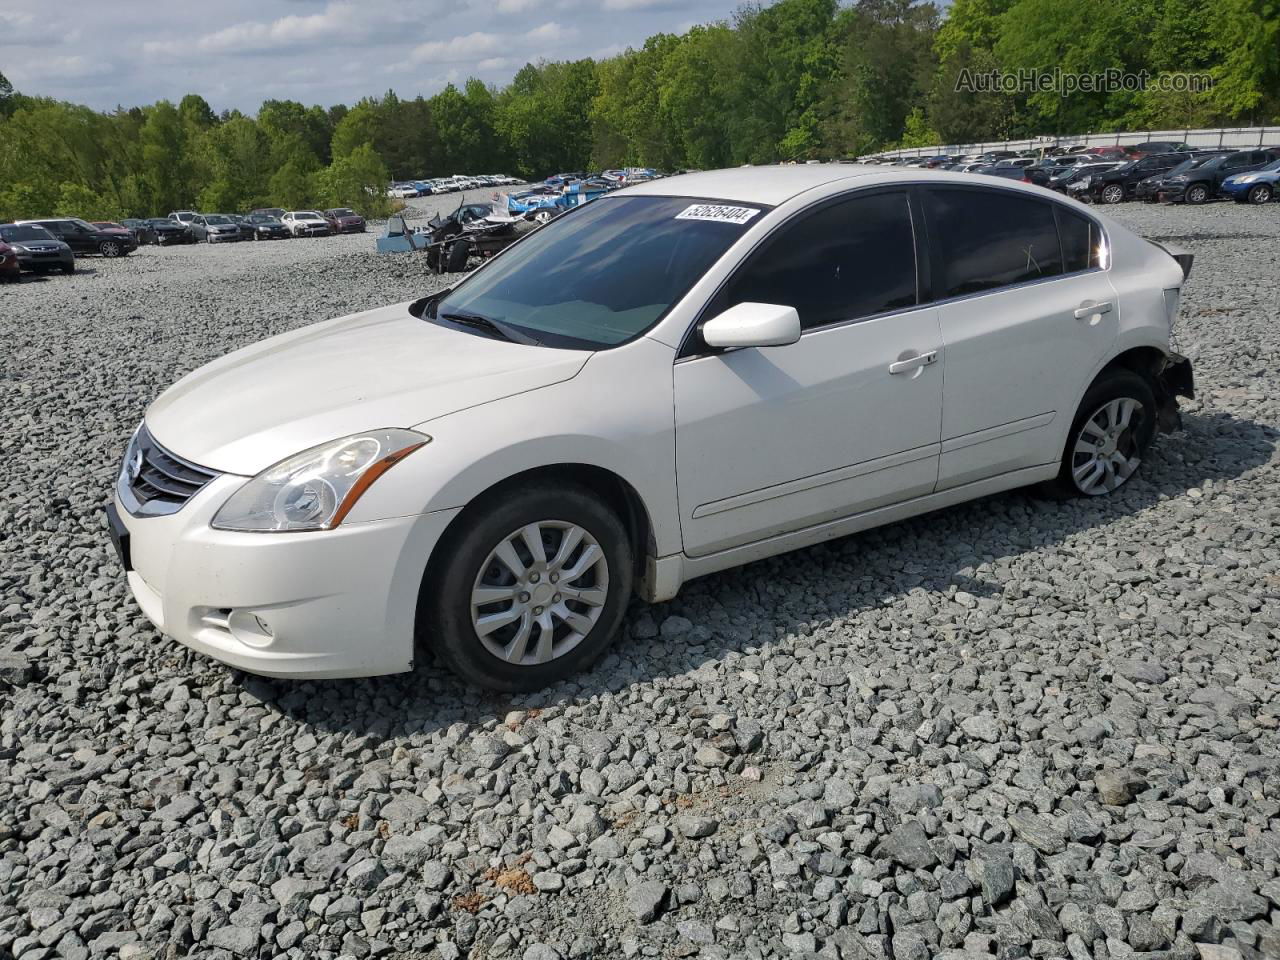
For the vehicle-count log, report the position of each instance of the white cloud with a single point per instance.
(515, 6)
(336, 22)
(623, 5)
(551, 32)
(24, 30)
(458, 49)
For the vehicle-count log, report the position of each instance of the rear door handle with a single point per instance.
(1090, 309)
(912, 363)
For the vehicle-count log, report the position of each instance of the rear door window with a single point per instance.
(987, 239)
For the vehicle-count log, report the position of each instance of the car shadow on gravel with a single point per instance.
(1213, 447)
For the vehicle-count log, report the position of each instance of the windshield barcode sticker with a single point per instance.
(720, 213)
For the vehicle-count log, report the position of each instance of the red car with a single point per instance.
(344, 220)
(10, 270)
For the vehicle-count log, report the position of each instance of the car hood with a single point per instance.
(382, 368)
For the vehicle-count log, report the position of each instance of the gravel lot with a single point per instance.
(1014, 728)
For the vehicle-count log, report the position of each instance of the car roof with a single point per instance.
(777, 184)
(771, 185)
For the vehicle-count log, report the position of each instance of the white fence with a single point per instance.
(1242, 137)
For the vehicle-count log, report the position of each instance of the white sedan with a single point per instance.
(306, 223)
(671, 380)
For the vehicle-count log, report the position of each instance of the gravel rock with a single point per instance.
(1015, 728)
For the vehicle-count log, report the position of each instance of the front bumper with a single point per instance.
(224, 237)
(1235, 191)
(32, 262)
(336, 603)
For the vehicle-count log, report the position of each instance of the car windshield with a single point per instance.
(214, 220)
(342, 212)
(309, 214)
(1271, 167)
(24, 232)
(604, 272)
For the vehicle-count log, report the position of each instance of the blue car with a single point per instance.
(1256, 186)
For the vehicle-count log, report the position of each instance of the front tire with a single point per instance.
(1112, 430)
(1260, 193)
(1112, 193)
(1197, 194)
(109, 248)
(528, 588)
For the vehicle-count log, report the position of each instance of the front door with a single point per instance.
(775, 439)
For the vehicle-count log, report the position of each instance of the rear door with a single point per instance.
(1025, 320)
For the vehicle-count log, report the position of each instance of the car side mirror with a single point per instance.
(753, 325)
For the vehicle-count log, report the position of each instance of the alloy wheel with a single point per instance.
(110, 249)
(539, 593)
(1106, 450)
(1113, 193)
(1260, 194)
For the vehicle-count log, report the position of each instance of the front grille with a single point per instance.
(158, 481)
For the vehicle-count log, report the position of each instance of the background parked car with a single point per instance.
(84, 238)
(1201, 183)
(344, 220)
(1257, 186)
(169, 231)
(267, 227)
(306, 223)
(183, 216)
(1042, 171)
(1122, 182)
(10, 268)
(37, 248)
(143, 232)
(276, 212)
(215, 228)
(1074, 181)
(1159, 146)
(246, 228)
(119, 229)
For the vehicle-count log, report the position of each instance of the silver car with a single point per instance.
(215, 228)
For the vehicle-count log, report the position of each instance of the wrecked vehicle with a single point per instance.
(472, 230)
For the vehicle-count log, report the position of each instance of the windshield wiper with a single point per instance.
(481, 322)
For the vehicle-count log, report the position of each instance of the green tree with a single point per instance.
(357, 180)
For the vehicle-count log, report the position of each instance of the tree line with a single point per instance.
(795, 80)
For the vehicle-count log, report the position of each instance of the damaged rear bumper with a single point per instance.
(1173, 380)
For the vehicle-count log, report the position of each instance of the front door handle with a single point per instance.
(908, 364)
(1087, 309)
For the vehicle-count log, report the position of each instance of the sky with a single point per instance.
(237, 53)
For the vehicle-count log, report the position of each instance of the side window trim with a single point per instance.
(691, 346)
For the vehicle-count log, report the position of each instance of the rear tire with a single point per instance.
(484, 568)
(1111, 432)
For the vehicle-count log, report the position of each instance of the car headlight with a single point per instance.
(1248, 178)
(1085, 181)
(316, 489)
